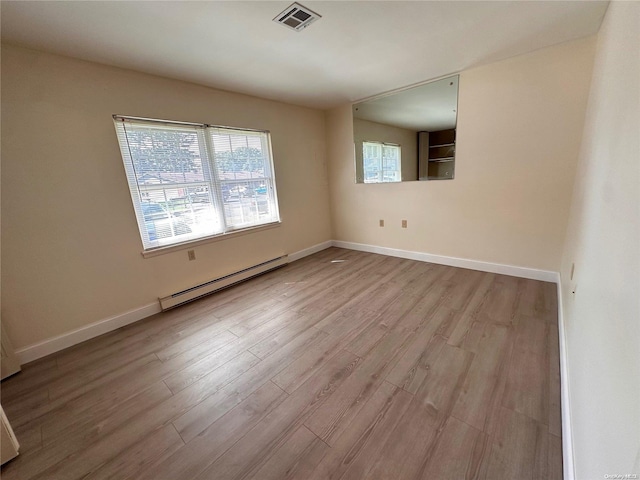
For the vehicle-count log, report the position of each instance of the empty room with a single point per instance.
(320, 240)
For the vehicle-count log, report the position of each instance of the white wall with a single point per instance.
(602, 318)
(519, 131)
(70, 243)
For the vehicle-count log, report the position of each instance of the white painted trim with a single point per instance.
(567, 431)
(310, 251)
(55, 344)
(515, 271)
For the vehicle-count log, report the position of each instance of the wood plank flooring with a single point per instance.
(371, 367)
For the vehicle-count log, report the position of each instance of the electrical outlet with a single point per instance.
(191, 254)
(382, 223)
(404, 224)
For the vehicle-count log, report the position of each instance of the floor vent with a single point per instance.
(212, 286)
(296, 17)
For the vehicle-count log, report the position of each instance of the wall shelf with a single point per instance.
(441, 151)
(440, 160)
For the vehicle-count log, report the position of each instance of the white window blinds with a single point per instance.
(190, 181)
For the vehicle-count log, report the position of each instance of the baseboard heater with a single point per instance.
(213, 286)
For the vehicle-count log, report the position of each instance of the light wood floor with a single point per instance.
(370, 367)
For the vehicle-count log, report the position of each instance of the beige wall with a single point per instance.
(519, 129)
(70, 244)
(365, 130)
(602, 318)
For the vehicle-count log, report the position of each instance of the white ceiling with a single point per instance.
(429, 107)
(356, 50)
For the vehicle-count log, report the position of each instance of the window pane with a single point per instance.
(372, 162)
(240, 156)
(381, 163)
(178, 214)
(248, 203)
(391, 163)
(165, 156)
(243, 167)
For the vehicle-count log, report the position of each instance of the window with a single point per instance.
(190, 181)
(381, 162)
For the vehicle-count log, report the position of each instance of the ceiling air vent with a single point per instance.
(296, 17)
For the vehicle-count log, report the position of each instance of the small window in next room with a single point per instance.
(381, 162)
(192, 181)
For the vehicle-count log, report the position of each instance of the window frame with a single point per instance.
(381, 170)
(211, 181)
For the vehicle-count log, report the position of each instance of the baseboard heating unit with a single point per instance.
(217, 284)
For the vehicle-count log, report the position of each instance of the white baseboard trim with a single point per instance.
(79, 335)
(514, 271)
(310, 251)
(567, 432)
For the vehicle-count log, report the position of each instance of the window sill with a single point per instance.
(203, 241)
